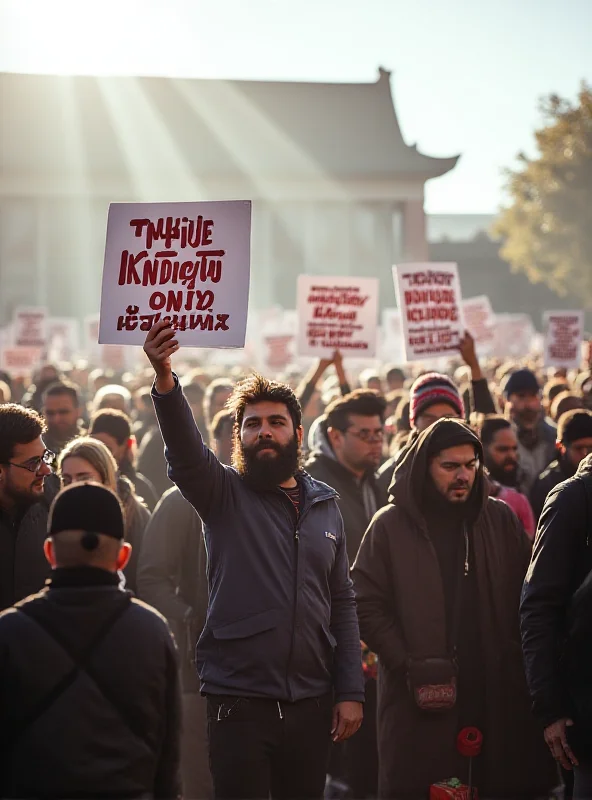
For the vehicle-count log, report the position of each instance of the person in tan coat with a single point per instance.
(438, 580)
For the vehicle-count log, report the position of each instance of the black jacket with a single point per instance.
(144, 489)
(151, 461)
(172, 575)
(552, 476)
(23, 566)
(561, 560)
(109, 728)
(281, 620)
(351, 497)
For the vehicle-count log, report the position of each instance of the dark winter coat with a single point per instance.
(401, 608)
(136, 519)
(23, 566)
(561, 562)
(112, 727)
(326, 468)
(172, 576)
(557, 472)
(281, 621)
(151, 461)
(144, 489)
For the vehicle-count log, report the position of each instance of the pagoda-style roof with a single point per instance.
(52, 127)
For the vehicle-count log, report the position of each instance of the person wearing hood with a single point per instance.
(556, 623)
(438, 579)
(536, 436)
(348, 451)
(574, 443)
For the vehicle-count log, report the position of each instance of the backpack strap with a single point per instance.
(80, 665)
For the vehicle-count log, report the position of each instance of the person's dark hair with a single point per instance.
(564, 402)
(395, 373)
(62, 387)
(217, 385)
(18, 425)
(553, 388)
(113, 422)
(364, 402)
(401, 415)
(257, 389)
(223, 419)
(193, 392)
(490, 426)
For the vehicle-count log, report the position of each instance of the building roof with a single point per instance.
(53, 126)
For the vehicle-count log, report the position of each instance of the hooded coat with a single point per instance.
(401, 609)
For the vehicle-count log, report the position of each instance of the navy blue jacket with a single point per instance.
(281, 619)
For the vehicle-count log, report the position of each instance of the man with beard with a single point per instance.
(279, 656)
(438, 580)
(536, 437)
(61, 409)
(500, 451)
(25, 496)
(574, 443)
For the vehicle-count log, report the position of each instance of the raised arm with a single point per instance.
(481, 399)
(192, 466)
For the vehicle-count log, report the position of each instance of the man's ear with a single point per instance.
(561, 448)
(49, 551)
(300, 435)
(333, 435)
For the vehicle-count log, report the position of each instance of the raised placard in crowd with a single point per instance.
(337, 313)
(564, 333)
(429, 298)
(514, 335)
(63, 340)
(30, 327)
(20, 361)
(185, 262)
(479, 319)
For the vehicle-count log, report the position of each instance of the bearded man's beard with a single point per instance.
(267, 471)
(23, 498)
(507, 477)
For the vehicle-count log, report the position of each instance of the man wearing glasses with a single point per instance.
(24, 502)
(347, 457)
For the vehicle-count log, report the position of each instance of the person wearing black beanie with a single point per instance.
(97, 669)
(574, 443)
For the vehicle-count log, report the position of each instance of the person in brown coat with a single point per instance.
(438, 580)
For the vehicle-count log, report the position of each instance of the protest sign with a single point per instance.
(514, 335)
(391, 340)
(429, 298)
(30, 327)
(184, 262)
(479, 319)
(20, 361)
(278, 331)
(337, 313)
(564, 333)
(62, 338)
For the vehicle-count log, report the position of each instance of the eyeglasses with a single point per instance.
(35, 464)
(366, 435)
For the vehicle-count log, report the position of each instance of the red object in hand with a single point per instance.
(469, 742)
(451, 790)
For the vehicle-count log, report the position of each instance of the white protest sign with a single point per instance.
(391, 346)
(278, 337)
(564, 333)
(63, 340)
(429, 298)
(479, 319)
(514, 335)
(20, 361)
(186, 262)
(337, 313)
(30, 326)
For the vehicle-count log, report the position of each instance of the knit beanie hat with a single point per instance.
(430, 389)
(574, 425)
(88, 507)
(523, 380)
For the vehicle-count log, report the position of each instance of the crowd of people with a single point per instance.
(355, 567)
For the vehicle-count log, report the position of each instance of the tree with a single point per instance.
(547, 230)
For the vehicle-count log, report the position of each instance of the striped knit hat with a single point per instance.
(430, 389)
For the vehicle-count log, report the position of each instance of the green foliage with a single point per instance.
(547, 231)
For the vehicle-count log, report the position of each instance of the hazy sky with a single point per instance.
(467, 74)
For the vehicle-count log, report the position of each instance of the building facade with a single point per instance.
(335, 188)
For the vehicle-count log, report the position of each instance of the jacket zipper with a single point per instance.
(295, 598)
